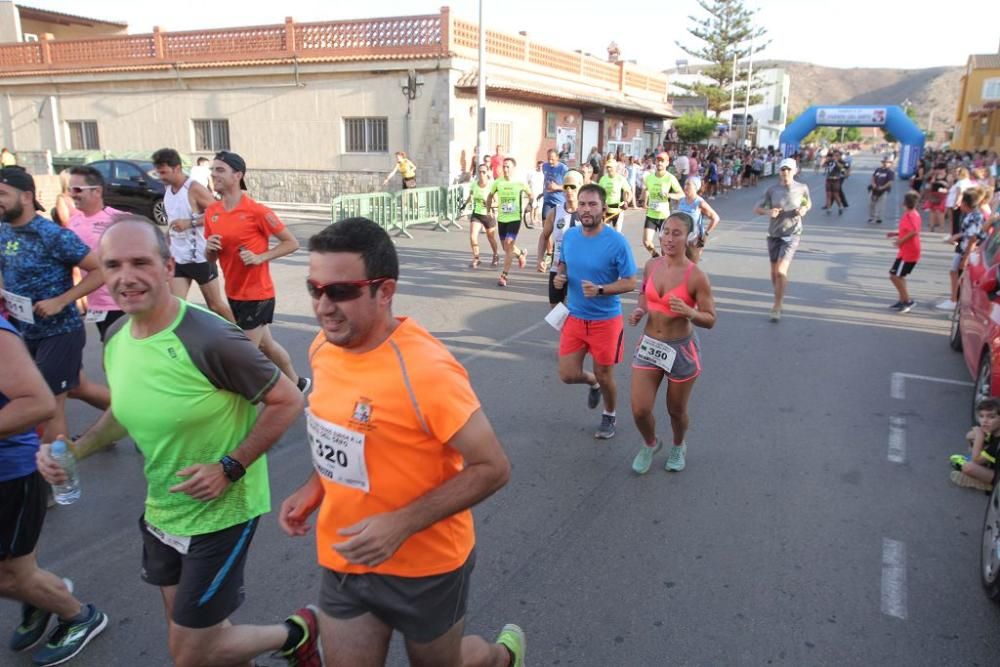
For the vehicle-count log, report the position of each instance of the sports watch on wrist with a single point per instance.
(232, 468)
(600, 290)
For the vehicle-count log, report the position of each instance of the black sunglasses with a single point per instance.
(347, 290)
(570, 186)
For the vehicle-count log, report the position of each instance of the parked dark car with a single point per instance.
(975, 323)
(133, 186)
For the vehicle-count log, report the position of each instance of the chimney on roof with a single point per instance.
(614, 53)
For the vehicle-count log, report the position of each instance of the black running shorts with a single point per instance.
(59, 358)
(209, 577)
(420, 608)
(22, 513)
(200, 272)
(252, 314)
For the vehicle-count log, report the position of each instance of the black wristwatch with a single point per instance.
(232, 468)
(600, 290)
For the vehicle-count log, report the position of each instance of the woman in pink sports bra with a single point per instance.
(677, 297)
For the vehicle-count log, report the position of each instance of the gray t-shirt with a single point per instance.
(788, 199)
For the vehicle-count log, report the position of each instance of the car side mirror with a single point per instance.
(990, 282)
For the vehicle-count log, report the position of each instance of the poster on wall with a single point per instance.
(566, 144)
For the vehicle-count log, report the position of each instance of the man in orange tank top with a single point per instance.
(401, 451)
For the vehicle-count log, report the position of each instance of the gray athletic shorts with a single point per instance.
(782, 247)
(687, 363)
(420, 608)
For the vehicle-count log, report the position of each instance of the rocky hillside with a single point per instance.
(930, 90)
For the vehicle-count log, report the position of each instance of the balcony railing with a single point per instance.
(432, 35)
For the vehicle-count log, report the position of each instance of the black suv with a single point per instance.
(133, 186)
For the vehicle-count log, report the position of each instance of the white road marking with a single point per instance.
(898, 383)
(893, 578)
(897, 439)
(500, 343)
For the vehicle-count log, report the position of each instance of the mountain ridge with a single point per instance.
(933, 91)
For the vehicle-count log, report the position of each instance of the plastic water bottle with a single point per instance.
(68, 492)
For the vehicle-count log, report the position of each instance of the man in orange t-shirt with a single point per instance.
(401, 451)
(238, 233)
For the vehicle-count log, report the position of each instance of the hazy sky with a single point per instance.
(844, 33)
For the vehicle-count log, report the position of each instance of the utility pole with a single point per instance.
(732, 92)
(481, 137)
(746, 104)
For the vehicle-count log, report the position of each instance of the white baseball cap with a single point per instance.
(788, 162)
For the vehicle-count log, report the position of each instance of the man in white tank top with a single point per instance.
(558, 220)
(185, 201)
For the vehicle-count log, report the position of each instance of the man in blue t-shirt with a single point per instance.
(553, 171)
(37, 257)
(25, 400)
(596, 262)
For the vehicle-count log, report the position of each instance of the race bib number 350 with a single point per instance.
(337, 453)
(656, 352)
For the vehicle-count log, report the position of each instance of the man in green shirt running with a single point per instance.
(185, 385)
(510, 195)
(659, 188)
(617, 191)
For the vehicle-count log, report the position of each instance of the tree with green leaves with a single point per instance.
(694, 127)
(725, 35)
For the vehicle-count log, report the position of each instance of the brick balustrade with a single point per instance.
(433, 35)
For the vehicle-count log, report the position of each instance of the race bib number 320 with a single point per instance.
(338, 454)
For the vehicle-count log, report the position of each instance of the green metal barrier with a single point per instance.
(421, 206)
(455, 197)
(380, 207)
(396, 211)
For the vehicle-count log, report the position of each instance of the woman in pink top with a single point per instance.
(677, 297)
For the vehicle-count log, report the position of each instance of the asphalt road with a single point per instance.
(814, 524)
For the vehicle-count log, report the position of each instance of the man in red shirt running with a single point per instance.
(238, 231)
(907, 240)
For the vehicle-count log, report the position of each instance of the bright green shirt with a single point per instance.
(613, 187)
(658, 187)
(509, 194)
(187, 395)
(478, 194)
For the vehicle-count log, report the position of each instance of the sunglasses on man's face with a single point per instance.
(570, 186)
(78, 189)
(347, 290)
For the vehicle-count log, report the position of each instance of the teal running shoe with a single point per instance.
(675, 462)
(70, 637)
(644, 459)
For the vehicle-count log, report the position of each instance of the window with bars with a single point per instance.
(499, 136)
(366, 135)
(83, 135)
(211, 135)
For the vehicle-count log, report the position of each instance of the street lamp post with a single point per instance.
(481, 89)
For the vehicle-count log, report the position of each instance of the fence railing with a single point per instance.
(402, 37)
(395, 212)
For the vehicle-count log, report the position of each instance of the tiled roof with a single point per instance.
(158, 66)
(611, 100)
(986, 61)
(48, 14)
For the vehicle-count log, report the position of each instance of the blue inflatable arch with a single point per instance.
(892, 118)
